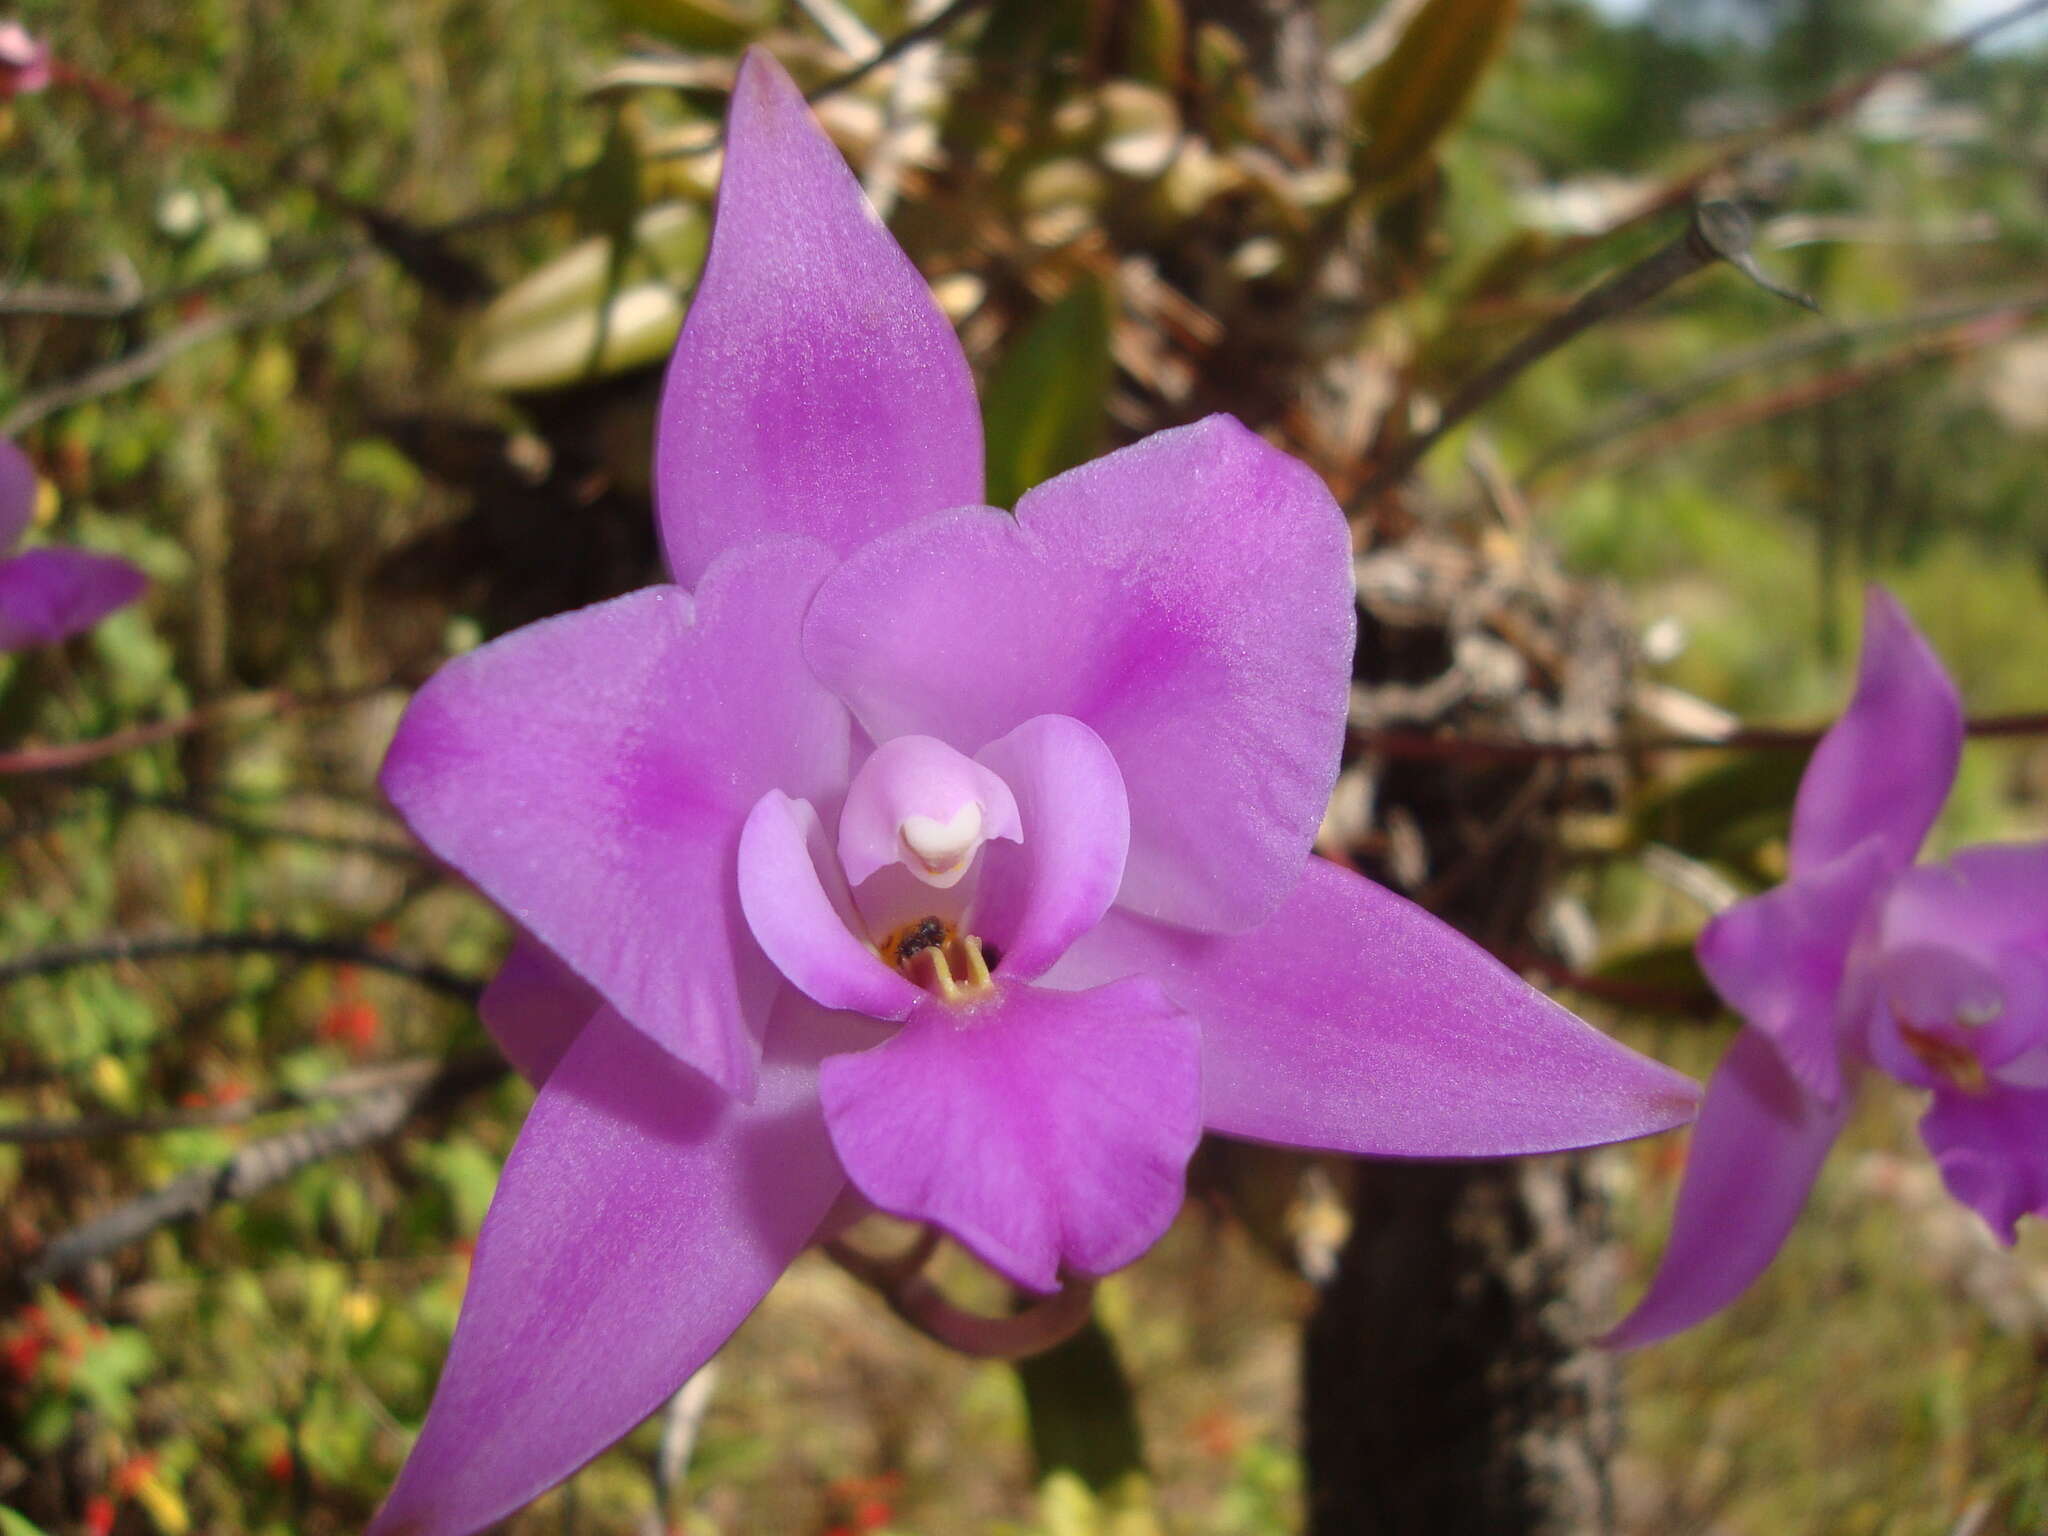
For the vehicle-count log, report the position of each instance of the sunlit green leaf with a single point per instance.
(710, 25)
(1422, 88)
(1044, 405)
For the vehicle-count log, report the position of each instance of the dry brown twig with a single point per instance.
(1763, 738)
(1717, 232)
(375, 1115)
(264, 704)
(146, 361)
(1831, 104)
(134, 947)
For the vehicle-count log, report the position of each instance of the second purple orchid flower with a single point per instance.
(1935, 974)
(910, 854)
(49, 595)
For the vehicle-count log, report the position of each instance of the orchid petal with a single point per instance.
(1755, 1154)
(641, 1217)
(17, 495)
(1044, 1130)
(1778, 959)
(1040, 895)
(1356, 1022)
(535, 1007)
(1189, 599)
(1992, 1149)
(48, 595)
(1883, 769)
(1981, 900)
(1962, 957)
(806, 928)
(816, 388)
(591, 774)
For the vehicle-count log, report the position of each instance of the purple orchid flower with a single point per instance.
(951, 860)
(48, 595)
(24, 61)
(1936, 975)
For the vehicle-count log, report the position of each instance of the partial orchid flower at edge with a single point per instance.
(1935, 974)
(49, 595)
(912, 855)
(24, 61)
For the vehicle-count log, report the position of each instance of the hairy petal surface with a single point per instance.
(1187, 598)
(1356, 1022)
(641, 1216)
(1045, 1130)
(17, 495)
(805, 926)
(1039, 896)
(1755, 1153)
(1992, 1149)
(591, 774)
(1885, 767)
(1778, 959)
(48, 595)
(816, 388)
(535, 1007)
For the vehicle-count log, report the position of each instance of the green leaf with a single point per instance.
(1158, 42)
(1044, 405)
(713, 26)
(1416, 94)
(580, 317)
(1084, 1419)
(12, 1524)
(1732, 813)
(1662, 978)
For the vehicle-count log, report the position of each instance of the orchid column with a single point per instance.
(909, 854)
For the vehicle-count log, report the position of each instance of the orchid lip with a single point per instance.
(1957, 1064)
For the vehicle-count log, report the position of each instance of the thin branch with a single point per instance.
(375, 1117)
(1682, 189)
(125, 948)
(1422, 746)
(1640, 996)
(243, 706)
(119, 798)
(1656, 404)
(345, 1085)
(45, 299)
(1807, 393)
(907, 39)
(393, 849)
(147, 361)
(938, 26)
(1716, 232)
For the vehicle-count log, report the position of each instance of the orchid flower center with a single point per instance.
(940, 958)
(1946, 1058)
(1943, 1006)
(915, 819)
